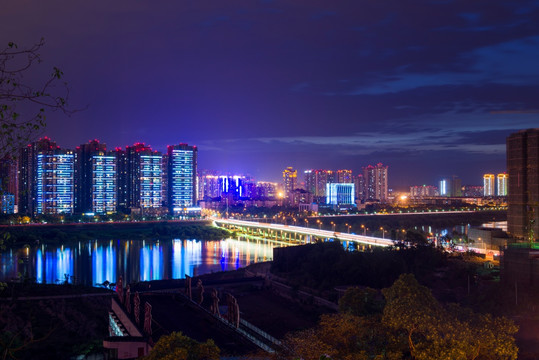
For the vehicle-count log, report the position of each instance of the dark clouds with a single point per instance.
(430, 88)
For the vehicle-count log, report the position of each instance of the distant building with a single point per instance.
(340, 194)
(451, 187)
(315, 183)
(9, 180)
(344, 177)
(182, 170)
(488, 185)
(266, 190)
(375, 180)
(290, 181)
(523, 184)
(7, 203)
(501, 183)
(418, 192)
(359, 186)
(300, 196)
(472, 191)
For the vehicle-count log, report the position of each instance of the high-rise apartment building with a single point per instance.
(55, 170)
(501, 184)
(9, 184)
(182, 177)
(344, 177)
(315, 183)
(375, 178)
(489, 185)
(95, 179)
(451, 187)
(290, 181)
(139, 177)
(266, 190)
(418, 192)
(359, 186)
(27, 201)
(523, 184)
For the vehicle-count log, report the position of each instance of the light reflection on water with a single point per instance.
(94, 262)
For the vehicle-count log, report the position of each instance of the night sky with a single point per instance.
(430, 88)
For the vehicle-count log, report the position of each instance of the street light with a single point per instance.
(333, 224)
(383, 232)
(364, 230)
(348, 227)
(319, 224)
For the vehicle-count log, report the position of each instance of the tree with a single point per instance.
(437, 332)
(360, 302)
(23, 104)
(177, 346)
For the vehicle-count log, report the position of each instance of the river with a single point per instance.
(92, 263)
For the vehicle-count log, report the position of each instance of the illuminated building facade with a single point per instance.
(266, 190)
(84, 175)
(418, 192)
(150, 181)
(182, 179)
(344, 177)
(28, 174)
(523, 184)
(501, 184)
(375, 182)
(55, 182)
(139, 170)
(104, 189)
(451, 187)
(488, 185)
(208, 187)
(340, 194)
(290, 181)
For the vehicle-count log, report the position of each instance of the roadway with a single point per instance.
(366, 240)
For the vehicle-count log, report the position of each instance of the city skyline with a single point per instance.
(431, 89)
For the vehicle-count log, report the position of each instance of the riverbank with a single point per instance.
(21, 235)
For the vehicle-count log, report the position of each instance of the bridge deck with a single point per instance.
(367, 240)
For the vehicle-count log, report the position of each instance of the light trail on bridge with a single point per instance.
(325, 234)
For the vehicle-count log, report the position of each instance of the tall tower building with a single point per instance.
(55, 181)
(139, 177)
(290, 181)
(84, 174)
(182, 177)
(502, 180)
(451, 186)
(488, 185)
(359, 186)
(344, 177)
(523, 184)
(9, 184)
(315, 183)
(28, 173)
(375, 178)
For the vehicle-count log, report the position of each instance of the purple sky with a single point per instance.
(426, 87)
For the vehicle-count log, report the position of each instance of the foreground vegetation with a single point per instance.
(407, 323)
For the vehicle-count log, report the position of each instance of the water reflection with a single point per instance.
(95, 262)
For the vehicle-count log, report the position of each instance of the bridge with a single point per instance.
(299, 234)
(305, 235)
